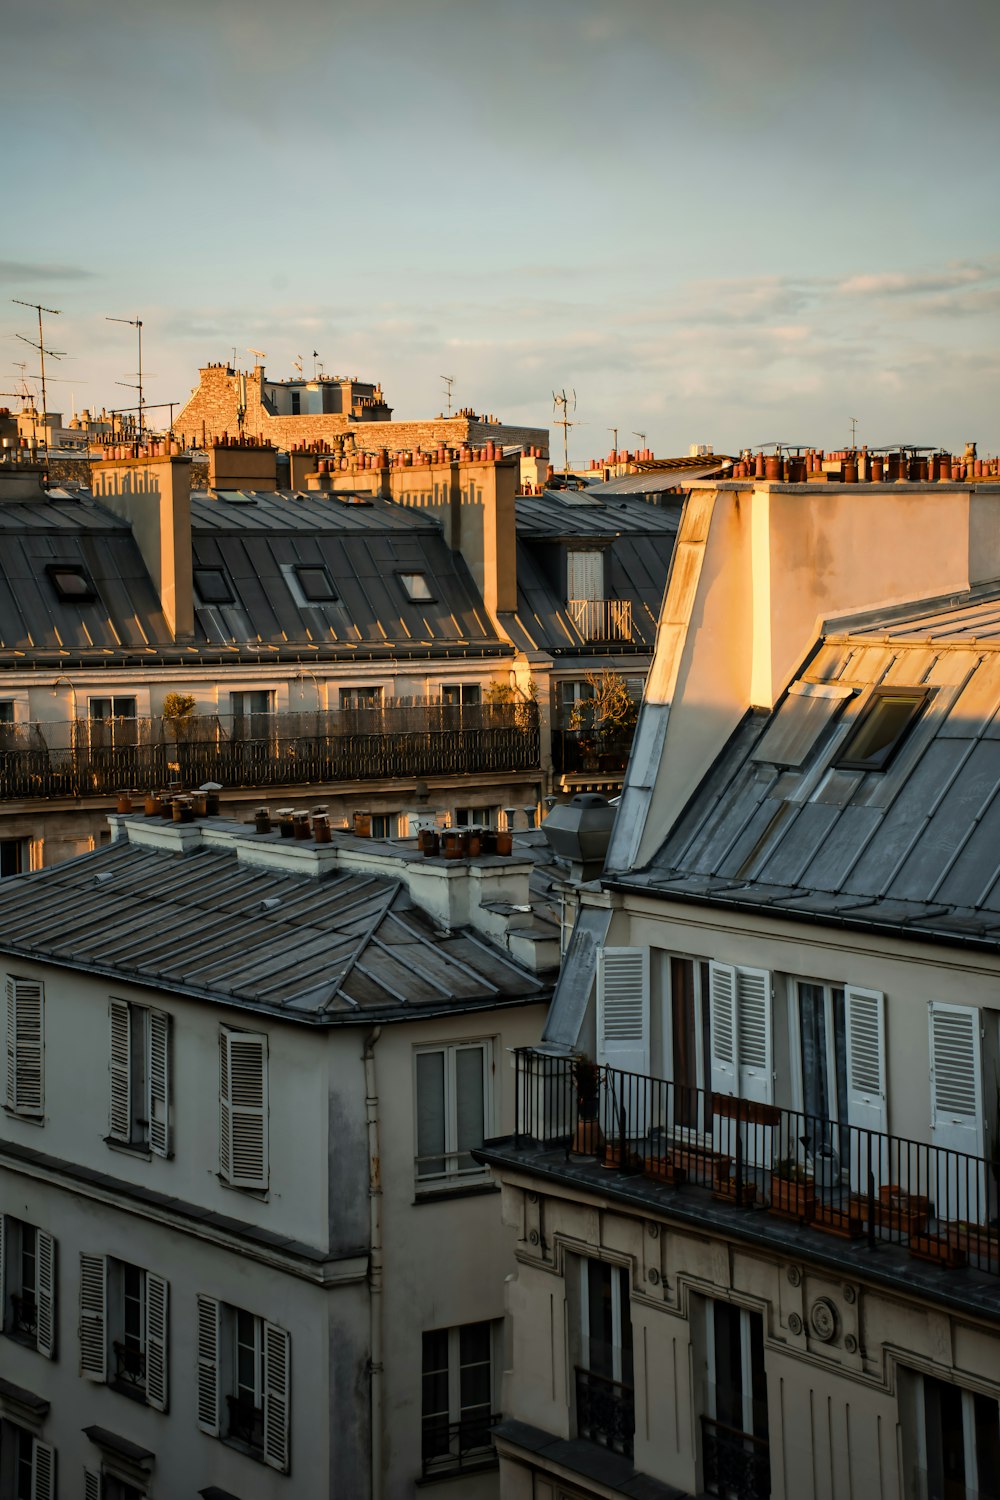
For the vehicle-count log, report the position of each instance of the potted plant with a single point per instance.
(604, 720)
(938, 1249)
(588, 1139)
(793, 1191)
(974, 1239)
(835, 1218)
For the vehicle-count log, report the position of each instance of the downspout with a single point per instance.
(375, 1363)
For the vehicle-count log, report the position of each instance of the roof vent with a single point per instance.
(270, 902)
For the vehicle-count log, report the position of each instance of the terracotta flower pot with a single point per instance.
(123, 802)
(793, 1199)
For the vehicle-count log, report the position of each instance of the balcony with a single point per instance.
(605, 1411)
(840, 1182)
(87, 757)
(737, 1464)
(601, 619)
(457, 1447)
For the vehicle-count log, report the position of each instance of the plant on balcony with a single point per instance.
(500, 694)
(588, 1139)
(608, 717)
(793, 1191)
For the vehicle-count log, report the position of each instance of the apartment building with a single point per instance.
(246, 1249)
(754, 1173)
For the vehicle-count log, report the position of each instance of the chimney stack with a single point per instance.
(154, 496)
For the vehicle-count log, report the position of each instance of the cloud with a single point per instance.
(26, 272)
(919, 283)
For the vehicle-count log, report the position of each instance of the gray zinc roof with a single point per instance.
(340, 948)
(914, 847)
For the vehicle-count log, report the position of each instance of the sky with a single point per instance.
(720, 221)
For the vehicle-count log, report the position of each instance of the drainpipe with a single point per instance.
(374, 1260)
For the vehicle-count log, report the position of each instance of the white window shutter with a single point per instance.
(585, 575)
(956, 1078)
(91, 1485)
(754, 1042)
(93, 1317)
(43, 1471)
(864, 1019)
(208, 1365)
(243, 1122)
(25, 1046)
(157, 1307)
(623, 1008)
(120, 1127)
(722, 1017)
(277, 1380)
(159, 1083)
(45, 1264)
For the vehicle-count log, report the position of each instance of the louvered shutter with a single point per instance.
(120, 1128)
(45, 1267)
(956, 1078)
(243, 1120)
(159, 1083)
(25, 1053)
(91, 1485)
(277, 1380)
(623, 1008)
(43, 1471)
(722, 1017)
(93, 1314)
(157, 1300)
(208, 1365)
(753, 1034)
(864, 1016)
(585, 575)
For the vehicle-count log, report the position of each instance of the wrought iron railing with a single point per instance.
(130, 1365)
(94, 757)
(450, 1447)
(25, 1310)
(941, 1204)
(601, 619)
(605, 1411)
(737, 1464)
(574, 753)
(246, 1422)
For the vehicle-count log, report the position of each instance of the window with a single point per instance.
(416, 587)
(72, 583)
(461, 695)
(102, 1486)
(386, 825)
(27, 1465)
(27, 1284)
(454, 1111)
(735, 1452)
(243, 1108)
(111, 708)
(602, 1349)
(15, 857)
(585, 575)
(296, 398)
(476, 817)
(24, 1092)
(123, 1328)
(956, 1452)
(570, 693)
(457, 1397)
(139, 1106)
(244, 1366)
(213, 586)
(316, 584)
(361, 698)
(882, 728)
(6, 710)
(688, 1040)
(252, 714)
(113, 724)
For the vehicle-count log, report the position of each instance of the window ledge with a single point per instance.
(26, 1340)
(20, 1114)
(130, 1392)
(261, 1194)
(238, 1446)
(460, 1471)
(140, 1152)
(463, 1190)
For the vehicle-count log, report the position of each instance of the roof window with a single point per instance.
(316, 583)
(213, 586)
(416, 587)
(72, 583)
(882, 728)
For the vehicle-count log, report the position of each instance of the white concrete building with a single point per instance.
(246, 1251)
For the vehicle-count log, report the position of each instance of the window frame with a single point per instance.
(844, 761)
(332, 597)
(220, 573)
(477, 1455)
(143, 1074)
(56, 570)
(412, 591)
(40, 1335)
(453, 1175)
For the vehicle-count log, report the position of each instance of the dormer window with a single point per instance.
(316, 584)
(213, 586)
(882, 728)
(584, 574)
(72, 583)
(416, 587)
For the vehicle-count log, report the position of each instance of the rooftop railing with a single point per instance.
(601, 619)
(95, 757)
(940, 1204)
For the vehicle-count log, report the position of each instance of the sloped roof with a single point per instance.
(914, 847)
(581, 514)
(338, 948)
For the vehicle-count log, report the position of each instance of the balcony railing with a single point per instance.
(601, 619)
(451, 1447)
(737, 1464)
(130, 1365)
(605, 1411)
(95, 757)
(843, 1180)
(246, 1422)
(575, 753)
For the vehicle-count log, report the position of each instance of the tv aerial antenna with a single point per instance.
(135, 323)
(259, 355)
(565, 404)
(54, 312)
(854, 432)
(641, 436)
(448, 381)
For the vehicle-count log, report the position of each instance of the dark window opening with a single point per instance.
(72, 583)
(213, 586)
(316, 584)
(882, 728)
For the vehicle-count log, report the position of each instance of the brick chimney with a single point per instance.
(154, 496)
(242, 466)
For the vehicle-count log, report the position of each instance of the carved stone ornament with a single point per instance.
(823, 1319)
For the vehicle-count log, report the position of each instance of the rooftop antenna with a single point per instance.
(641, 436)
(42, 351)
(315, 357)
(854, 432)
(258, 354)
(614, 433)
(297, 364)
(562, 402)
(448, 381)
(135, 323)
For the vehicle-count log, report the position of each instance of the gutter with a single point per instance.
(375, 1262)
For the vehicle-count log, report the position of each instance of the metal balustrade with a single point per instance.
(451, 1447)
(605, 1411)
(98, 757)
(737, 1464)
(941, 1204)
(601, 619)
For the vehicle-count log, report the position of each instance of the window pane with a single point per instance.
(812, 1025)
(881, 730)
(430, 1113)
(471, 1101)
(987, 1424)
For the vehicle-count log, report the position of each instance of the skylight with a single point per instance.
(882, 728)
(72, 583)
(416, 587)
(316, 584)
(213, 586)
